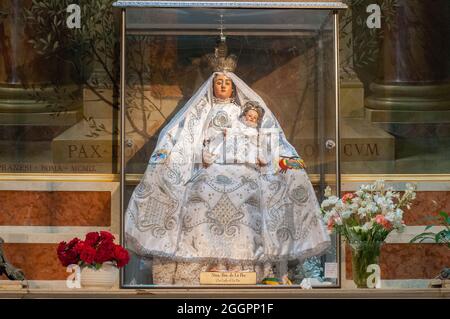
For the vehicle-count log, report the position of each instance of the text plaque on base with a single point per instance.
(228, 278)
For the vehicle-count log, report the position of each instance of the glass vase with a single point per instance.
(363, 255)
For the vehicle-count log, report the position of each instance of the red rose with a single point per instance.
(73, 242)
(66, 252)
(121, 256)
(61, 247)
(61, 252)
(106, 236)
(79, 247)
(105, 252)
(87, 254)
(92, 239)
(68, 258)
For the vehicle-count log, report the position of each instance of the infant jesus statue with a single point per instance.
(250, 121)
(242, 143)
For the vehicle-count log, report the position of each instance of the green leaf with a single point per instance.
(423, 236)
(443, 214)
(437, 237)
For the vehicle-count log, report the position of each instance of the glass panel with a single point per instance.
(59, 63)
(395, 89)
(58, 87)
(200, 203)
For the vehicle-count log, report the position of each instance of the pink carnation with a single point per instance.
(347, 197)
(380, 219)
(330, 224)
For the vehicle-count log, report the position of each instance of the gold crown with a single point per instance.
(220, 60)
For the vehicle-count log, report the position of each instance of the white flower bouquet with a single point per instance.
(368, 214)
(365, 218)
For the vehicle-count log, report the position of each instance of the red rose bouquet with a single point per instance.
(96, 249)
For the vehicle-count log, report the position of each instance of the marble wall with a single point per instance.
(38, 261)
(426, 205)
(36, 215)
(408, 261)
(47, 208)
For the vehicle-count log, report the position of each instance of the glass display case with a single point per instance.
(195, 74)
(58, 89)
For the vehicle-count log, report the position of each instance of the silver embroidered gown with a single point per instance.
(231, 211)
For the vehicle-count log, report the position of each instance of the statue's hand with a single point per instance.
(260, 163)
(208, 159)
(206, 165)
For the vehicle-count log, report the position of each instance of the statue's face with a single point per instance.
(223, 86)
(252, 116)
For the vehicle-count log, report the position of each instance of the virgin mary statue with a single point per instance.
(207, 203)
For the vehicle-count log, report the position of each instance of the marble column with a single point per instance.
(364, 147)
(27, 91)
(413, 80)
